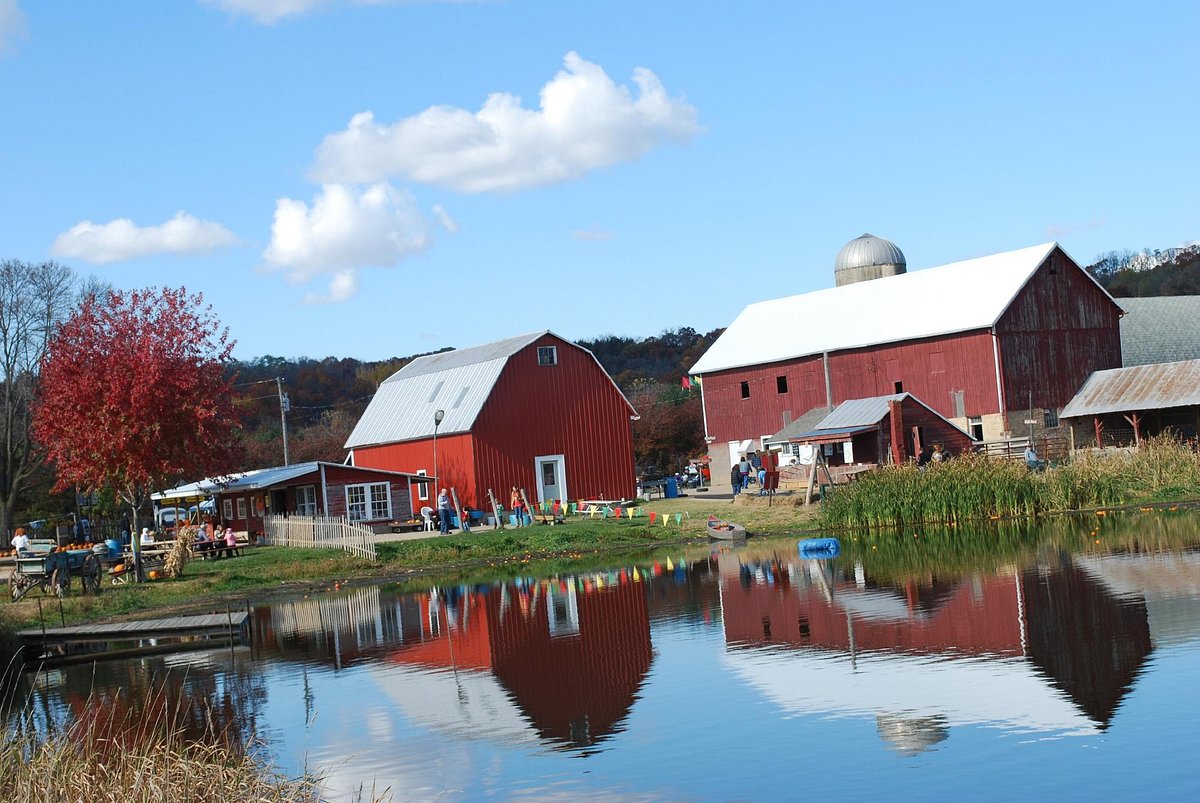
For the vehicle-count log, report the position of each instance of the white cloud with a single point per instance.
(592, 235)
(268, 12)
(343, 230)
(13, 26)
(443, 217)
(120, 239)
(584, 122)
(342, 287)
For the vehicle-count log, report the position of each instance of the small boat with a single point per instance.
(819, 548)
(724, 530)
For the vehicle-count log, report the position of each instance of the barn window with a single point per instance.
(975, 427)
(436, 390)
(745, 390)
(462, 394)
(241, 507)
(422, 487)
(369, 501)
(547, 355)
(227, 509)
(898, 386)
(781, 384)
(1050, 418)
(958, 403)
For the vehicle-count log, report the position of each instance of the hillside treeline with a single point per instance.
(326, 397)
(1177, 276)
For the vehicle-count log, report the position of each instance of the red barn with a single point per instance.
(983, 342)
(535, 411)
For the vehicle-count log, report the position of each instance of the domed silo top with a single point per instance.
(867, 257)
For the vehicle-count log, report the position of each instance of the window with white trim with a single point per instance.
(422, 487)
(306, 500)
(547, 355)
(241, 507)
(227, 509)
(370, 501)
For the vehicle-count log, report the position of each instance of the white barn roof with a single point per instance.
(966, 295)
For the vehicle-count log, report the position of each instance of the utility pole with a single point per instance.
(284, 406)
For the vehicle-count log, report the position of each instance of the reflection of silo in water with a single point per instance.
(912, 735)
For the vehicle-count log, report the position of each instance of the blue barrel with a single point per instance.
(819, 548)
(672, 488)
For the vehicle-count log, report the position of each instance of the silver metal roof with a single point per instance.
(457, 382)
(1158, 386)
(804, 423)
(868, 250)
(1160, 329)
(859, 412)
(252, 480)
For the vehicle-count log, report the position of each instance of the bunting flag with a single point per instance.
(679, 518)
(632, 510)
(697, 381)
(686, 383)
(619, 512)
(591, 511)
(670, 565)
(637, 576)
(653, 516)
(666, 519)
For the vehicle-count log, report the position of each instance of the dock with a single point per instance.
(211, 624)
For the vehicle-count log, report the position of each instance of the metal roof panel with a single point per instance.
(1158, 386)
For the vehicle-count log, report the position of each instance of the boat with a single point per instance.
(819, 548)
(724, 530)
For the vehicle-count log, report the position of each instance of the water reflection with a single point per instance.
(1048, 648)
(603, 682)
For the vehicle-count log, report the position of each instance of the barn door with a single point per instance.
(551, 472)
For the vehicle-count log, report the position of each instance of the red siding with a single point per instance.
(572, 409)
(929, 369)
(1058, 331)
(730, 417)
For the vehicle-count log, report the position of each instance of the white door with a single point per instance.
(551, 472)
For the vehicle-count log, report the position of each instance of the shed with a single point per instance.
(534, 411)
(365, 495)
(1122, 406)
(863, 431)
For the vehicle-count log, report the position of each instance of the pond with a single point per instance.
(1006, 661)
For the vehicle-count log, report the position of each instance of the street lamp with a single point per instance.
(437, 421)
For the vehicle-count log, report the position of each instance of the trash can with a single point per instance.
(672, 488)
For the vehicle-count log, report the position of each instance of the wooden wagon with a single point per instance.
(52, 571)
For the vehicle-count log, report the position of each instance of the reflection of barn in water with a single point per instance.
(560, 662)
(1033, 649)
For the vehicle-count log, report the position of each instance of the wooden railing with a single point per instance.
(320, 533)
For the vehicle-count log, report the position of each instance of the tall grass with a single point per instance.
(114, 753)
(975, 487)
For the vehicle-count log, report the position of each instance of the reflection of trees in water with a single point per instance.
(208, 697)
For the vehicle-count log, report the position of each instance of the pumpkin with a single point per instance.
(120, 567)
(153, 575)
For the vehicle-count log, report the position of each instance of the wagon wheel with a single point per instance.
(18, 586)
(89, 574)
(60, 581)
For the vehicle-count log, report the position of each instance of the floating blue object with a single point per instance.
(819, 548)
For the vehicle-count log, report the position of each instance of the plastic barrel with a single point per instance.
(672, 488)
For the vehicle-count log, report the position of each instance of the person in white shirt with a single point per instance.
(147, 537)
(20, 541)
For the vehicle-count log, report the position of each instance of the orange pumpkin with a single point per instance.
(153, 575)
(120, 567)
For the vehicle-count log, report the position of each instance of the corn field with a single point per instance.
(975, 487)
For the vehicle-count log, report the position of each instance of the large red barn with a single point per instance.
(535, 411)
(983, 342)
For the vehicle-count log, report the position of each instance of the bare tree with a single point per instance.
(34, 299)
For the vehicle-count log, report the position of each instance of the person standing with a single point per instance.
(744, 469)
(518, 507)
(735, 479)
(445, 512)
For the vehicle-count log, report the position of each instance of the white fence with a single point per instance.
(324, 533)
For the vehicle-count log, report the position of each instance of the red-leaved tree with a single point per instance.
(133, 395)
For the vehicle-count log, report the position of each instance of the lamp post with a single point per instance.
(437, 421)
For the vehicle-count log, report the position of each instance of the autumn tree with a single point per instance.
(134, 395)
(34, 299)
(670, 429)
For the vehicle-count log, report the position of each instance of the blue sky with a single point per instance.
(332, 175)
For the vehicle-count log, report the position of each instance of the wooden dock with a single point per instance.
(206, 624)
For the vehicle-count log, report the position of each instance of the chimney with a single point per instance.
(896, 418)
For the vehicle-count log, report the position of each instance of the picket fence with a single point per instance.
(320, 533)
